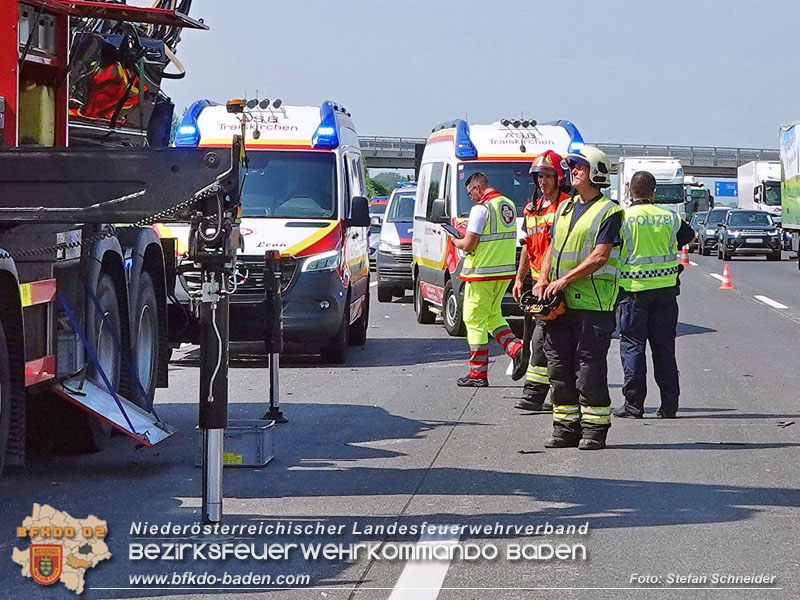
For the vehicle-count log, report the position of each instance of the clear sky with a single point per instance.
(703, 72)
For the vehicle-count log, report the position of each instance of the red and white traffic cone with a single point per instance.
(684, 256)
(726, 279)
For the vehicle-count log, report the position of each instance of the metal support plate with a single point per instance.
(147, 430)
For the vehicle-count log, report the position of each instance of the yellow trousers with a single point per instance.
(482, 309)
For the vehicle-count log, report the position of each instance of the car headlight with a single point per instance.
(775, 233)
(327, 261)
(386, 246)
(710, 231)
(736, 233)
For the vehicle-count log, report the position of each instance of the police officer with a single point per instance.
(549, 179)
(582, 263)
(647, 307)
(490, 243)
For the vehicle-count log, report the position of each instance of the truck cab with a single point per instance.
(303, 195)
(759, 187)
(504, 151)
(669, 181)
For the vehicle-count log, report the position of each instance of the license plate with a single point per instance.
(753, 240)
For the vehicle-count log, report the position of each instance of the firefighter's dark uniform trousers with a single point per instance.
(537, 385)
(576, 345)
(648, 316)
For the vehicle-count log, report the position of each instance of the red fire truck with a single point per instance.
(85, 310)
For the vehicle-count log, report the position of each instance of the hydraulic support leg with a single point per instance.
(214, 314)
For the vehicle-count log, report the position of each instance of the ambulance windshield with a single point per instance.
(402, 208)
(510, 178)
(290, 185)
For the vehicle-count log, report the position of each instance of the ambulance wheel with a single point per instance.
(358, 330)
(384, 293)
(423, 312)
(93, 434)
(453, 321)
(335, 351)
(5, 397)
(145, 341)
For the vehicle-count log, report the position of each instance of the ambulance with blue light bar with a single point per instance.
(504, 151)
(304, 195)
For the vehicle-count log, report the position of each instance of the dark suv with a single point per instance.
(707, 239)
(749, 232)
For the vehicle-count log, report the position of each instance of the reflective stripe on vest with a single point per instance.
(495, 256)
(537, 226)
(572, 244)
(650, 250)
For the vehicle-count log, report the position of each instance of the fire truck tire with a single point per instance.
(94, 434)
(358, 330)
(335, 351)
(5, 397)
(145, 341)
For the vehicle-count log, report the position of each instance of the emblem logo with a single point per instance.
(507, 214)
(46, 563)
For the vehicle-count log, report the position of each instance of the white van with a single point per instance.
(304, 195)
(670, 193)
(504, 151)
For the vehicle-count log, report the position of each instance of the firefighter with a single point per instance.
(582, 264)
(647, 307)
(549, 176)
(490, 263)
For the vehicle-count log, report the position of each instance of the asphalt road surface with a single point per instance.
(388, 438)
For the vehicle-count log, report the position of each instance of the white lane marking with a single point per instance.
(373, 284)
(422, 579)
(718, 276)
(770, 302)
(510, 368)
(691, 262)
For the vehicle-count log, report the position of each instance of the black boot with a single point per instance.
(593, 438)
(468, 381)
(565, 435)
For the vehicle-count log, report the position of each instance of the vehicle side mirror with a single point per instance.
(359, 212)
(375, 221)
(437, 212)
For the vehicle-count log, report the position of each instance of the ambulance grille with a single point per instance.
(250, 275)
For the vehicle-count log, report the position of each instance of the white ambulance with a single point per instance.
(503, 151)
(304, 194)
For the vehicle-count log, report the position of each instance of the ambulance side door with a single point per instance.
(434, 238)
(355, 238)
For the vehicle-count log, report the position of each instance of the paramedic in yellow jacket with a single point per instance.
(490, 264)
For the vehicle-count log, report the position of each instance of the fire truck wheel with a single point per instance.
(96, 433)
(5, 397)
(358, 330)
(145, 341)
(336, 349)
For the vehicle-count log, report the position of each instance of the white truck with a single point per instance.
(669, 181)
(759, 184)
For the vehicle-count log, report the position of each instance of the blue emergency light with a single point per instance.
(576, 139)
(464, 146)
(327, 134)
(188, 133)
